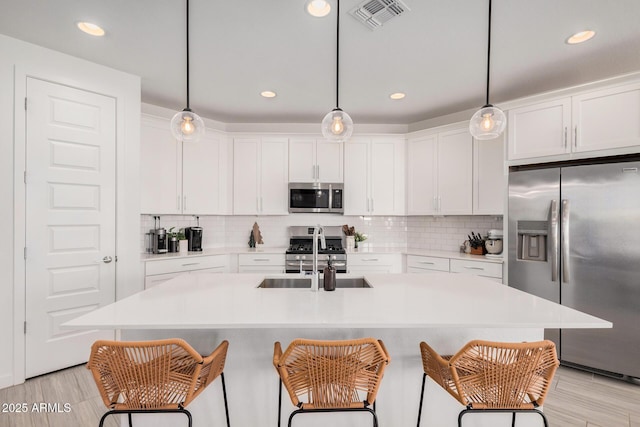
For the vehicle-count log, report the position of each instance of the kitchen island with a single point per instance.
(444, 309)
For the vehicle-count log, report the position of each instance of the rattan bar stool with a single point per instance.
(490, 376)
(159, 376)
(331, 376)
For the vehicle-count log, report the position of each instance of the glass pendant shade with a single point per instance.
(487, 123)
(187, 126)
(337, 126)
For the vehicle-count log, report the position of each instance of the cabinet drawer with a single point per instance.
(371, 259)
(151, 281)
(477, 268)
(185, 264)
(261, 259)
(427, 263)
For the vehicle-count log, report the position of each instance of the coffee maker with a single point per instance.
(157, 242)
(194, 236)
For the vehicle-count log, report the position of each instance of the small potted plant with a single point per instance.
(182, 239)
(359, 237)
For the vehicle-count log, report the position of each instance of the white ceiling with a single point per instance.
(436, 53)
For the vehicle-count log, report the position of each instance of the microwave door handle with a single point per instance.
(330, 198)
(553, 234)
(565, 240)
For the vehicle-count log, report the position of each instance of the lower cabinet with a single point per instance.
(427, 264)
(374, 263)
(160, 271)
(261, 263)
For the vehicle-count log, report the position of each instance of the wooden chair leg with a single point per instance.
(424, 379)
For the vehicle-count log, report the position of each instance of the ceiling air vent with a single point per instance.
(375, 13)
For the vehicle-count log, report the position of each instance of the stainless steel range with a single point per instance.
(299, 256)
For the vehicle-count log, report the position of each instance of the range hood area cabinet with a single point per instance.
(586, 122)
(315, 160)
(374, 176)
(172, 173)
(440, 173)
(260, 176)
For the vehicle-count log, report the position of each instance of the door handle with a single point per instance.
(107, 259)
(565, 240)
(553, 225)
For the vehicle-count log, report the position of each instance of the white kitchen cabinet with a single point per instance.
(374, 176)
(182, 178)
(315, 160)
(541, 129)
(440, 173)
(159, 271)
(606, 119)
(373, 263)
(488, 176)
(490, 270)
(261, 263)
(426, 264)
(260, 176)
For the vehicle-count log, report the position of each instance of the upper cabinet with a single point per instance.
(182, 178)
(260, 176)
(440, 168)
(315, 160)
(605, 119)
(488, 176)
(374, 178)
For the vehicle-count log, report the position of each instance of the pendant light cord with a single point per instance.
(488, 53)
(188, 108)
(337, 53)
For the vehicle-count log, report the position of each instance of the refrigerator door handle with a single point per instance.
(553, 232)
(565, 240)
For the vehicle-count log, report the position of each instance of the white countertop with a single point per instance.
(440, 300)
(212, 251)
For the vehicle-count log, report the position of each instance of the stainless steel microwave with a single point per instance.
(316, 197)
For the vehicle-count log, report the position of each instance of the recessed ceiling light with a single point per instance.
(581, 37)
(92, 29)
(268, 94)
(318, 8)
(397, 95)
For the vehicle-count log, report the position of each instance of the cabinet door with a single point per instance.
(274, 161)
(455, 172)
(488, 177)
(329, 161)
(422, 157)
(356, 177)
(201, 183)
(159, 168)
(607, 119)
(539, 130)
(384, 199)
(246, 162)
(302, 160)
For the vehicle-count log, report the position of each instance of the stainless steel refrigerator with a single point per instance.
(574, 238)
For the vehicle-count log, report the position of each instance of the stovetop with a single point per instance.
(305, 246)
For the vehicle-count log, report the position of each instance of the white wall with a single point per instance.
(19, 60)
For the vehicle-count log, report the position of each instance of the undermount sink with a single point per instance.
(301, 283)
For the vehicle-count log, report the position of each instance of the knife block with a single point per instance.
(477, 251)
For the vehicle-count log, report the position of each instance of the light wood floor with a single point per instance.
(576, 399)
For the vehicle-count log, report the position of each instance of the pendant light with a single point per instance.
(488, 122)
(337, 125)
(186, 125)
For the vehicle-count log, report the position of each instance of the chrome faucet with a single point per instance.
(317, 232)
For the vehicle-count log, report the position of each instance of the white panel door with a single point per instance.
(329, 158)
(302, 160)
(383, 178)
(201, 183)
(421, 183)
(356, 177)
(455, 172)
(70, 220)
(273, 173)
(159, 168)
(245, 176)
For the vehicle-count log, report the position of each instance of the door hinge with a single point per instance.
(25, 252)
(25, 326)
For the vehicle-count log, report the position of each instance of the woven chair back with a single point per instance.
(504, 375)
(163, 374)
(332, 374)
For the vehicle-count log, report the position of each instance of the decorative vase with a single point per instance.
(351, 242)
(184, 246)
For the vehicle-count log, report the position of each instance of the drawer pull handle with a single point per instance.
(474, 268)
(370, 259)
(191, 263)
(261, 259)
(426, 262)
